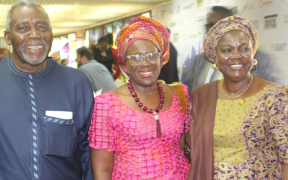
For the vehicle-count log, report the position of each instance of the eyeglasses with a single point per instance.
(210, 25)
(137, 59)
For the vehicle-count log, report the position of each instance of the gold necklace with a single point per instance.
(221, 82)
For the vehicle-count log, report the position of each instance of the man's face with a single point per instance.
(30, 34)
(56, 56)
(79, 60)
(4, 53)
(92, 41)
(213, 18)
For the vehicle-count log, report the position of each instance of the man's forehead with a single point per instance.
(27, 12)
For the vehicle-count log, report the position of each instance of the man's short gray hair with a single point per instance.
(22, 3)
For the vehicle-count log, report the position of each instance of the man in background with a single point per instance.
(4, 53)
(268, 67)
(56, 57)
(92, 41)
(169, 72)
(45, 107)
(97, 73)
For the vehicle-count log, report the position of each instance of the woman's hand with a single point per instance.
(284, 171)
(102, 163)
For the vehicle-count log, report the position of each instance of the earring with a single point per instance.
(255, 62)
(215, 66)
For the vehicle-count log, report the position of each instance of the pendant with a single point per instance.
(242, 101)
(158, 127)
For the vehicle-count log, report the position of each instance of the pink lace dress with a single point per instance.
(138, 153)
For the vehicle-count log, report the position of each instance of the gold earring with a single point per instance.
(255, 62)
(215, 66)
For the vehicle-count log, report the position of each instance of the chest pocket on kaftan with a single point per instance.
(59, 136)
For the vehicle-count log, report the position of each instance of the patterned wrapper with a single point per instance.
(222, 27)
(142, 28)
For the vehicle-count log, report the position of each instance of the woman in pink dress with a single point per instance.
(136, 129)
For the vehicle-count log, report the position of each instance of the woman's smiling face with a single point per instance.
(146, 73)
(235, 55)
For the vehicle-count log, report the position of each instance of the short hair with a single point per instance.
(22, 3)
(103, 39)
(110, 38)
(221, 8)
(83, 51)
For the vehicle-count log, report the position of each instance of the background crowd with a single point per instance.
(58, 122)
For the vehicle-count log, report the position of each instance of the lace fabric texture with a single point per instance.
(263, 127)
(138, 153)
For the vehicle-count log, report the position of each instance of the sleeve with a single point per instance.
(279, 123)
(101, 130)
(84, 107)
(269, 67)
(187, 117)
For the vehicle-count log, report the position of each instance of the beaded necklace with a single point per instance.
(155, 111)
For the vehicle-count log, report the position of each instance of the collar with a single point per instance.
(24, 74)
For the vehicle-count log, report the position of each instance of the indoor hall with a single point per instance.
(144, 89)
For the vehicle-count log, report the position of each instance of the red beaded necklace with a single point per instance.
(155, 111)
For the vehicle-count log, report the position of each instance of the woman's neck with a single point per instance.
(145, 90)
(234, 88)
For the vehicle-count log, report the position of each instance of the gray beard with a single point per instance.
(31, 61)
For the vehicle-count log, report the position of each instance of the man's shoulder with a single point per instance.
(201, 55)
(93, 64)
(263, 56)
(65, 71)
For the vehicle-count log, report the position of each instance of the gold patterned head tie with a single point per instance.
(222, 27)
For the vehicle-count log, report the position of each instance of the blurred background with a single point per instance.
(74, 22)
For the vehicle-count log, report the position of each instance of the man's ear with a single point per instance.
(7, 37)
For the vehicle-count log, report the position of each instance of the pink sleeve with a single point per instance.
(187, 117)
(101, 133)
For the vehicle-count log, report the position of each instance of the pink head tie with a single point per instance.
(142, 28)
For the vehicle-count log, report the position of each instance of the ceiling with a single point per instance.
(68, 16)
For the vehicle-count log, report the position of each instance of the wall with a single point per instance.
(187, 18)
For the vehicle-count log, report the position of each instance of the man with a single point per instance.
(97, 73)
(268, 67)
(169, 72)
(4, 53)
(102, 55)
(45, 107)
(92, 41)
(56, 57)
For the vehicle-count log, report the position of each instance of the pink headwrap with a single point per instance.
(142, 28)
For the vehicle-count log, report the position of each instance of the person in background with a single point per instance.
(102, 55)
(45, 107)
(113, 50)
(169, 72)
(92, 41)
(65, 62)
(136, 129)
(97, 73)
(239, 124)
(268, 67)
(4, 53)
(56, 57)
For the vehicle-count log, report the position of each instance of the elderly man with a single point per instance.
(4, 53)
(97, 73)
(268, 67)
(92, 41)
(45, 107)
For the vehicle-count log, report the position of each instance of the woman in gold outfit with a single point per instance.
(239, 128)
